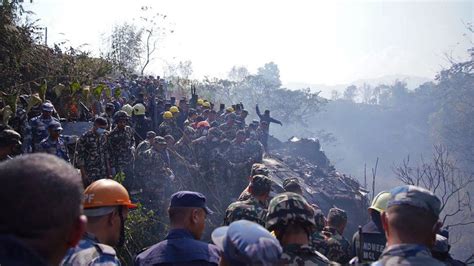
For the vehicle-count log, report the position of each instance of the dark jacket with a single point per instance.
(13, 252)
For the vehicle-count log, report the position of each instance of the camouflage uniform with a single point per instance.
(37, 130)
(90, 252)
(19, 123)
(54, 147)
(185, 150)
(254, 150)
(251, 210)
(142, 147)
(169, 127)
(122, 145)
(229, 131)
(287, 208)
(257, 169)
(333, 245)
(154, 172)
(407, 254)
(93, 154)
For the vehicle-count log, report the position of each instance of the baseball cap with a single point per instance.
(47, 107)
(55, 126)
(189, 199)
(416, 197)
(247, 243)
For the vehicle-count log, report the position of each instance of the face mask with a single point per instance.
(100, 131)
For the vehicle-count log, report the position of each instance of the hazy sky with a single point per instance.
(328, 42)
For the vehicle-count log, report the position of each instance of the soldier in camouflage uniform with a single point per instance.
(291, 217)
(37, 129)
(168, 126)
(122, 145)
(254, 148)
(55, 144)
(411, 223)
(239, 156)
(230, 128)
(184, 146)
(330, 241)
(257, 169)
(10, 144)
(108, 115)
(146, 144)
(92, 153)
(155, 174)
(255, 208)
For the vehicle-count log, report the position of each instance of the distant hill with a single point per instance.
(412, 83)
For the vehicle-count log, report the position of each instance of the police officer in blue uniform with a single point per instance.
(37, 129)
(55, 144)
(187, 213)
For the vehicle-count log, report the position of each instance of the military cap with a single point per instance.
(9, 136)
(47, 107)
(337, 214)
(247, 243)
(121, 115)
(292, 185)
(150, 134)
(55, 126)
(189, 199)
(416, 197)
(160, 140)
(259, 169)
(100, 121)
(261, 184)
(289, 207)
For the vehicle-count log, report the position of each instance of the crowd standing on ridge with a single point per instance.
(141, 141)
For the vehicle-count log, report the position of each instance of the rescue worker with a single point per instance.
(410, 223)
(229, 128)
(55, 144)
(147, 143)
(335, 246)
(168, 126)
(246, 243)
(38, 230)
(184, 145)
(121, 142)
(255, 208)
(187, 213)
(291, 219)
(440, 251)
(10, 144)
(92, 153)
(175, 111)
(373, 237)
(106, 205)
(108, 115)
(38, 127)
(257, 169)
(140, 122)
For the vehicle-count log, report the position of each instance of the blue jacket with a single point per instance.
(179, 248)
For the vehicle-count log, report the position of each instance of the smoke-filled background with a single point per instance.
(387, 87)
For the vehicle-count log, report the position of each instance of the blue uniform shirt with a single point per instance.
(179, 248)
(91, 252)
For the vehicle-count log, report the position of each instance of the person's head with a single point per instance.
(259, 169)
(47, 109)
(260, 186)
(159, 143)
(378, 205)
(10, 143)
(109, 108)
(188, 210)
(212, 115)
(203, 128)
(175, 111)
(121, 117)
(289, 214)
(292, 185)
(139, 109)
(266, 113)
(49, 220)
(169, 141)
(100, 125)
(411, 216)
(240, 136)
(54, 130)
(230, 118)
(337, 218)
(264, 125)
(214, 135)
(246, 243)
(244, 114)
(150, 136)
(106, 205)
(192, 114)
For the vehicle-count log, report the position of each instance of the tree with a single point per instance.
(238, 73)
(335, 95)
(125, 47)
(350, 93)
(270, 74)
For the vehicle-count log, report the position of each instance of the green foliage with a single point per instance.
(120, 177)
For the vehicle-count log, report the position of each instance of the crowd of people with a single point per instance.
(142, 141)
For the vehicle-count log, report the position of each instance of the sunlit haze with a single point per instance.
(314, 42)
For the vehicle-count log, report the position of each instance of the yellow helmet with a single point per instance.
(379, 203)
(200, 101)
(230, 109)
(167, 115)
(127, 108)
(139, 109)
(174, 109)
(206, 104)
